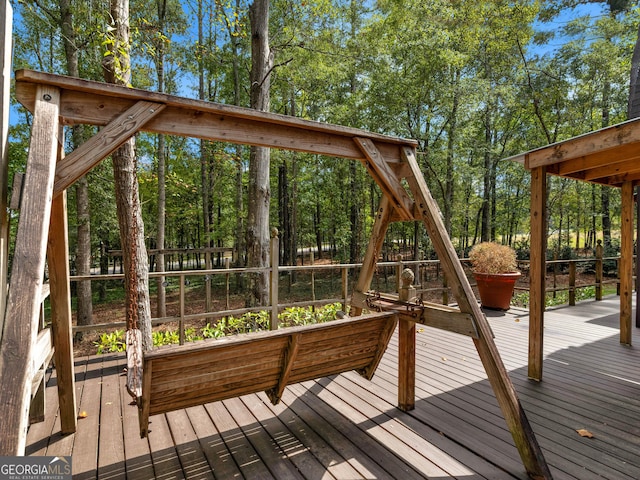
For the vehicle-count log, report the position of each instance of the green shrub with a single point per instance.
(111, 342)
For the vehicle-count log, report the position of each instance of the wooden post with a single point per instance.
(399, 269)
(406, 348)
(345, 288)
(637, 257)
(181, 321)
(599, 255)
(207, 282)
(273, 290)
(313, 277)
(625, 269)
(61, 319)
(23, 303)
(572, 282)
(227, 266)
(5, 102)
(380, 225)
(537, 293)
(521, 431)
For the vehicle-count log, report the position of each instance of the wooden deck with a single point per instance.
(345, 427)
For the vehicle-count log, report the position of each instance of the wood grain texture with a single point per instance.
(188, 375)
(23, 307)
(103, 143)
(386, 178)
(61, 320)
(351, 427)
(97, 103)
(626, 262)
(537, 270)
(521, 431)
(6, 48)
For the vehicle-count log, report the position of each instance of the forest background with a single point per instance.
(473, 82)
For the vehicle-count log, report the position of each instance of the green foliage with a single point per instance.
(472, 82)
(111, 342)
(249, 322)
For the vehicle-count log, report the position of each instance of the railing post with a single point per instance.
(227, 266)
(207, 282)
(599, 254)
(572, 282)
(399, 268)
(313, 277)
(275, 250)
(181, 321)
(345, 288)
(445, 290)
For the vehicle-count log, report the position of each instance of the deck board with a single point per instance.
(345, 426)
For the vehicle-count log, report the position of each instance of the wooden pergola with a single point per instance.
(610, 157)
(122, 112)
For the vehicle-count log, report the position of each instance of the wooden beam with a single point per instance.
(290, 357)
(626, 262)
(23, 307)
(386, 178)
(584, 145)
(106, 141)
(378, 232)
(537, 272)
(96, 103)
(521, 431)
(61, 320)
(615, 169)
(598, 159)
(6, 43)
(430, 314)
(452, 320)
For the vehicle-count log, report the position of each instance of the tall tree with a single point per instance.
(259, 158)
(117, 70)
(83, 246)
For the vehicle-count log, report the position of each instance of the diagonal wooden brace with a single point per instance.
(386, 179)
(110, 138)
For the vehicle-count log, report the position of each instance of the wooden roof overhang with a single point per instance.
(610, 157)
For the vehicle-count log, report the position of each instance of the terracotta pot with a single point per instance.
(496, 289)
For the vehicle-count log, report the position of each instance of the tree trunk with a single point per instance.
(485, 231)
(354, 214)
(240, 234)
(161, 307)
(451, 139)
(117, 70)
(83, 245)
(633, 108)
(259, 158)
(605, 191)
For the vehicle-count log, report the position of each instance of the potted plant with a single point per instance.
(495, 269)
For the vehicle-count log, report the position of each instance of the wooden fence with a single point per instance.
(429, 281)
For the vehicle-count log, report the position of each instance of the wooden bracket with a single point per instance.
(386, 178)
(106, 141)
(275, 394)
